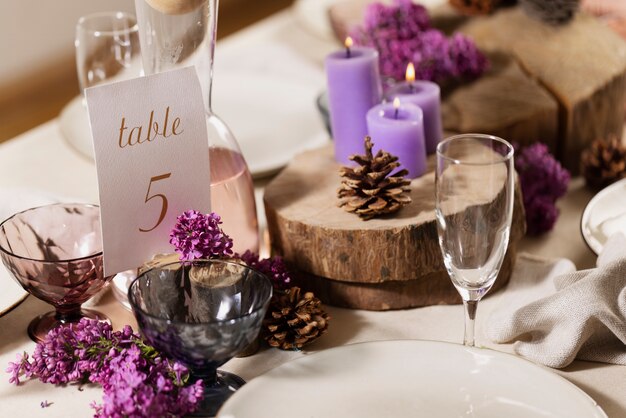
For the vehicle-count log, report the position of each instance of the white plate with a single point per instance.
(74, 126)
(273, 119)
(313, 15)
(604, 216)
(410, 379)
(11, 293)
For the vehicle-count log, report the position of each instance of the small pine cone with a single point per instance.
(475, 7)
(369, 190)
(294, 320)
(554, 12)
(604, 162)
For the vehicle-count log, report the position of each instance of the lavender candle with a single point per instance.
(426, 96)
(399, 129)
(353, 88)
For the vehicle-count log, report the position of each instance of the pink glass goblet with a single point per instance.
(55, 253)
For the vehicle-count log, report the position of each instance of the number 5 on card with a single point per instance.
(152, 158)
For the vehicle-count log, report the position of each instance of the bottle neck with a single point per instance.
(179, 33)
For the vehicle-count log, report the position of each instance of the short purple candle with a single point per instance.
(399, 129)
(426, 95)
(353, 88)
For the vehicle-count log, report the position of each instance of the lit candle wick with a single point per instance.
(410, 76)
(396, 107)
(348, 43)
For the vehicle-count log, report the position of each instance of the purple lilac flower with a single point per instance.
(541, 215)
(21, 367)
(196, 235)
(402, 33)
(137, 381)
(543, 181)
(541, 173)
(274, 268)
(466, 59)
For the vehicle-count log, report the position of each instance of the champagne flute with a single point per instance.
(474, 195)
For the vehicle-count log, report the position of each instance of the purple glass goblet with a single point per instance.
(202, 313)
(55, 253)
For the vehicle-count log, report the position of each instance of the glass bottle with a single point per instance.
(180, 33)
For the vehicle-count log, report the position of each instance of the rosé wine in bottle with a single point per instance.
(231, 198)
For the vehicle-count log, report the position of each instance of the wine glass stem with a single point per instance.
(208, 376)
(68, 313)
(470, 316)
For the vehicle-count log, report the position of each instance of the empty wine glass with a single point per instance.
(55, 253)
(202, 313)
(474, 195)
(107, 48)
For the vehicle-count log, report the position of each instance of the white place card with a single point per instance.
(152, 157)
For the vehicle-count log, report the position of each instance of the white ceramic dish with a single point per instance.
(312, 15)
(267, 115)
(410, 379)
(11, 294)
(604, 216)
(272, 118)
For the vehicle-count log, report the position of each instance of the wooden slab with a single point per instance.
(431, 289)
(581, 64)
(324, 242)
(505, 102)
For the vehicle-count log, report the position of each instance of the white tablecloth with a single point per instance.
(42, 159)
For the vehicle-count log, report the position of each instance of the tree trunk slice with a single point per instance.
(581, 64)
(431, 289)
(322, 240)
(505, 102)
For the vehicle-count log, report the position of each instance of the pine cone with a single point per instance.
(475, 7)
(369, 190)
(293, 320)
(604, 162)
(555, 12)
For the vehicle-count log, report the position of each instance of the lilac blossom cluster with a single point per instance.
(197, 235)
(137, 381)
(274, 268)
(402, 33)
(543, 181)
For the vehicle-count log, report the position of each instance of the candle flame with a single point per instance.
(410, 72)
(396, 103)
(349, 42)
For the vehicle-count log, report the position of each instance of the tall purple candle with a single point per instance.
(426, 96)
(353, 88)
(399, 129)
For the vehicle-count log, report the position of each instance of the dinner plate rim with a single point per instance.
(18, 302)
(520, 360)
(594, 245)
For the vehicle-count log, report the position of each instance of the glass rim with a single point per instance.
(69, 260)
(81, 24)
(135, 306)
(503, 158)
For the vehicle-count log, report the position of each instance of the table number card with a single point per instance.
(152, 157)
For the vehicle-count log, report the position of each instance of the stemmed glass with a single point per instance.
(107, 48)
(474, 207)
(202, 313)
(55, 253)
